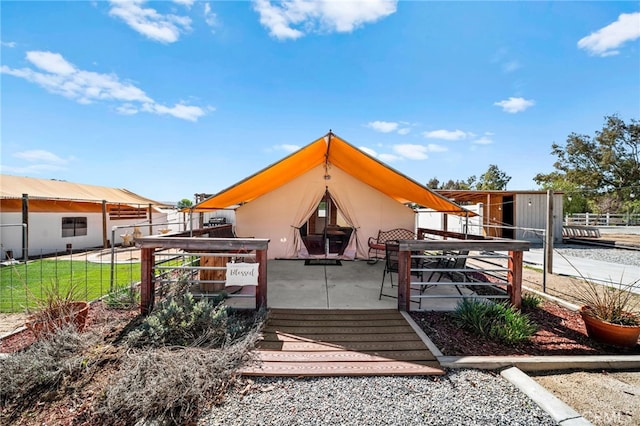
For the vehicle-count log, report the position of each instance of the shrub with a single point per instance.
(496, 321)
(530, 301)
(171, 385)
(182, 320)
(123, 298)
(40, 368)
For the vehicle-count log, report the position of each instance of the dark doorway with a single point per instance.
(507, 216)
(323, 234)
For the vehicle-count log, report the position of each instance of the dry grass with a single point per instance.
(172, 385)
(38, 371)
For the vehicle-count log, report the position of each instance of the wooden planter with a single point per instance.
(606, 332)
(76, 314)
(213, 275)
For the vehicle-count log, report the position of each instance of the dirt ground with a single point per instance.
(603, 398)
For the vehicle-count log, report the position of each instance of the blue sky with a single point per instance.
(168, 99)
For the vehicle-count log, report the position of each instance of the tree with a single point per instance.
(185, 203)
(493, 179)
(604, 168)
(434, 183)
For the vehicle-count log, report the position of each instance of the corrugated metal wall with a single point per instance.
(531, 213)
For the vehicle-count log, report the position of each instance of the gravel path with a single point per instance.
(611, 255)
(462, 397)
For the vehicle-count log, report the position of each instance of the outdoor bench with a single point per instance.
(377, 245)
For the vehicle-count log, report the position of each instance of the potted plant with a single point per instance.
(610, 312)
(57, 308)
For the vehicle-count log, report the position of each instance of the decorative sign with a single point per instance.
(242, 274)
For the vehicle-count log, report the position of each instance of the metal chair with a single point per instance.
(451, 265)
(392, 250)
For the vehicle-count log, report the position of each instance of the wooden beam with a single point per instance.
(514, 276)
(147, 284)
(404, 281)
(261, 291)
(187, 243)
(480, 245)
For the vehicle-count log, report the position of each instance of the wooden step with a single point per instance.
(340, 343)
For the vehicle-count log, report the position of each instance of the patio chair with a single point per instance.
(391, 265)
(449, 265)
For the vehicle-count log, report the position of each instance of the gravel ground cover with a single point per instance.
(462, 397)
(611, 255)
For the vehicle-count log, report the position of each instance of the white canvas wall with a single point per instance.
(272, 215)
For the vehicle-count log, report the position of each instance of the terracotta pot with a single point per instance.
(606, 332)
(77, 315)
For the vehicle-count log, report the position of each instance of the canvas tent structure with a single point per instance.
(291, 201)
(59, 214)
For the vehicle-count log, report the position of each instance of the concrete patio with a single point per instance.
(353, 285)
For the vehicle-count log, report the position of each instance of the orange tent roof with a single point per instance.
(334, 152)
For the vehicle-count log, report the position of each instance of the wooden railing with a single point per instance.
(216, 247)
(416, 249)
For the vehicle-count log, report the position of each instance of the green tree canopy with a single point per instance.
(185, 203)
(604, 169)
(493, 179)
(434, 183)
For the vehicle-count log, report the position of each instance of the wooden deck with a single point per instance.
(340, 343)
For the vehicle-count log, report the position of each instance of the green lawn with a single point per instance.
(21, 285)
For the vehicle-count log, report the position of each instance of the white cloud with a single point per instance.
(511, 66)
(432, 147)
(40, 155)
(484, 140)
(50, 62)
(11, 44)
(56, 75)
(40, 161)
(514, 105)
(209, 16)
(447, 135)
(404, 131)
(411, 151)
(369, 151)
(127, 109)
(148, 22)
(605, 41)
(292, 19)
(383, 126)
(389, 158)
(185, 112)
(286, 147)
(187, 3)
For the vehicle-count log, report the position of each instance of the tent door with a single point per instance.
(327, 233)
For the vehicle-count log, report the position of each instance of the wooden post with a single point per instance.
(514, 277)
(147, 284)
(261, 290)
(150, 219)
(105, 239)
(25, 221)
(404, 281)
